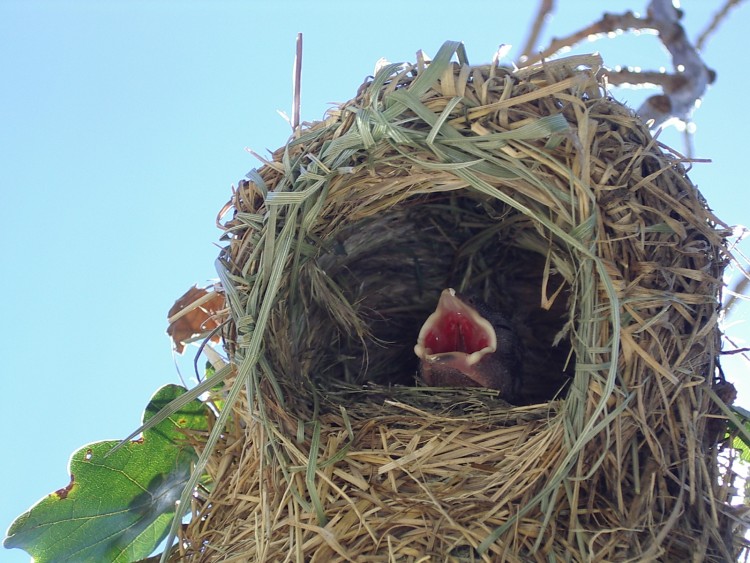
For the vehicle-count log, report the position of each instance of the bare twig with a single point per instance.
(669, 82)
(546, 7)
(719, 16)
(741, 351)
(297, 86)
(607, 24)
(736, 294)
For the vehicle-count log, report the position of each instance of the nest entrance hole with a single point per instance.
(392, 268)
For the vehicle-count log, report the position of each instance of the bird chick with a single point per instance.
(466, 344)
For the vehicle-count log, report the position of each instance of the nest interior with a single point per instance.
(535, 190)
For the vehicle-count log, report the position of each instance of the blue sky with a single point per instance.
(123, 127)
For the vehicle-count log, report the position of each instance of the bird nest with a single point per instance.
(551, 201)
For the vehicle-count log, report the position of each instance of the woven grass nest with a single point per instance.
(529, 187)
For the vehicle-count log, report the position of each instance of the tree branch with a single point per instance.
(719, 16)
(680, 100)
(546, 7)
(681, 89)
(609, 23)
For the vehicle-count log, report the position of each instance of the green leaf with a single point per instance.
(117, 507)
(739, 444)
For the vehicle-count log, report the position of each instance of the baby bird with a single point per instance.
(464, 343)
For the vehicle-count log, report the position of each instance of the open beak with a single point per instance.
(454, 337)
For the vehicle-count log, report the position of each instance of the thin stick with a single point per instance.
(738, 292)
(546, 7)
(669, 82)
(297, 86)
(718, 18)
(608, 23)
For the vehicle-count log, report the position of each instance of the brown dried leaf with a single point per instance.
(197, 312)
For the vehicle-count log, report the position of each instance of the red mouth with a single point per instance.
(455, 327)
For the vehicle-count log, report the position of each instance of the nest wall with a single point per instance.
(536, 190)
